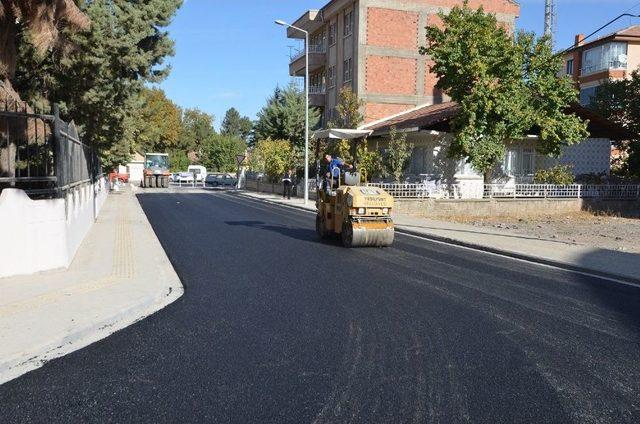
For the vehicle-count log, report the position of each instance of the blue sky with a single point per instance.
(230, 53)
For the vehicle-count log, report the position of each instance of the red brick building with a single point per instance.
(372, 46)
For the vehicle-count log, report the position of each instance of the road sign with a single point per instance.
(240, 159)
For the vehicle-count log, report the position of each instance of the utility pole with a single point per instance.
(550, 19)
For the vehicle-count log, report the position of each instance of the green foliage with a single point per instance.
(370, 162)
(219, 152)
(505, 87)
(160, 123)
(559, 174)
(339, 149)
(274, 157)
(618, 102)
(235, 125)
(197, 129)
(179, 160)
(283, 117)
(398, 154)
(99, 82)
(348, 110)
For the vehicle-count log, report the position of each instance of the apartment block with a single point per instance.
(372, 47)
(613, 56)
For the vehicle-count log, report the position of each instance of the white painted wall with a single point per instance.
(39, 235)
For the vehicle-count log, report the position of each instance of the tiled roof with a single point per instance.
(438, 117)
(419, 117)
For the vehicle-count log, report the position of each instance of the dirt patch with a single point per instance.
(582, 228)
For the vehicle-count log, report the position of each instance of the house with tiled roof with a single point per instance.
(613, 56)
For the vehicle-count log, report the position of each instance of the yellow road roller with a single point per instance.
(360, 215)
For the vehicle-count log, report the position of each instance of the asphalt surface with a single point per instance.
(278, 327)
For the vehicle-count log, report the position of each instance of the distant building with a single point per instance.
(372, 46)
(613, 56)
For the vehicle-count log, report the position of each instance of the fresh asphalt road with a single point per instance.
(278, 327)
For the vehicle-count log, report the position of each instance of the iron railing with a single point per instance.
(510, 191)
(42, 154)
(313, 48)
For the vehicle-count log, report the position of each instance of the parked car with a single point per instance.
(184, 177)
(221, 180)
(174, 177)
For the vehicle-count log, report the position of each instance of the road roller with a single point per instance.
(359, 215)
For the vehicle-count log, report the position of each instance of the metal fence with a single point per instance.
(510, 191)
(42, 154)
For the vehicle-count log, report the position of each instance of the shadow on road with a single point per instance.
(305, 234)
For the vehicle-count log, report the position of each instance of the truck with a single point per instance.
(199, 172)
(156, 170)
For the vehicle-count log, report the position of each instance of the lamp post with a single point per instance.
(306, 109)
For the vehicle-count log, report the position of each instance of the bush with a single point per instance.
(559, 174)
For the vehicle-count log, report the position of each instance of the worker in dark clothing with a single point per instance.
(287, 181)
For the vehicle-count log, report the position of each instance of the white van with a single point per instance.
(199, 172)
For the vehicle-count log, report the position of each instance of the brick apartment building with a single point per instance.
(613, 56)
(372, 46)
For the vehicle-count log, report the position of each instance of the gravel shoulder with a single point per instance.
(580, 228)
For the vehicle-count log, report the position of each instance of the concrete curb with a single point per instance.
(483, 248)
(81, 337)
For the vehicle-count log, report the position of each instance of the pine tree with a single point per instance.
(236, 125)
(99, 82)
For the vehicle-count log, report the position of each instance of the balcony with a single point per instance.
(317, 95)
(317, 59)
(603, 66)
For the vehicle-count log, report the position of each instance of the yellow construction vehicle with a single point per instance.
(360, 215)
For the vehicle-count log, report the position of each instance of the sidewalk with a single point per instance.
(120, 275)
(603, 262)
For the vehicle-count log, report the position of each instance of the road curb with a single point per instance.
(78, 338)
(488, 249)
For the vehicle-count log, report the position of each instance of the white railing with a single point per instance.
(419, 190)
(573, 191)
(510, 191)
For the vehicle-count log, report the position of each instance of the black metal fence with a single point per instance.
(42, 154)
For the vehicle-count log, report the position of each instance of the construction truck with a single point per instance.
(360, 215)
(156, 170)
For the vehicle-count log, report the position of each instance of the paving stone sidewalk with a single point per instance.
(599, 261)
(120, 275)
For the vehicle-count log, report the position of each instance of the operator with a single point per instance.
(335, 165)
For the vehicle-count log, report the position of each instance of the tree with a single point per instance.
(235, 125)
(283, 117)
(618, 102)
(505, 88)
(197, 129)
(274, 156)
(348, 109)
(220, 151)
(370, 162)
(99, 81)
(160, 123)
(398, 154)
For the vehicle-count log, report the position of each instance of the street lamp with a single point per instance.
(306, 109)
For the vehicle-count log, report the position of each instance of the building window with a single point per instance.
(317, 41)
(570, 67)
(348, 23)
(520, 161)
(347, 73)
(332, 34)
(606, 56)
(331, 76)
(317, 83)
(587, 95)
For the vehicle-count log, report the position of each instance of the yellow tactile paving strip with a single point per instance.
(122, 269)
